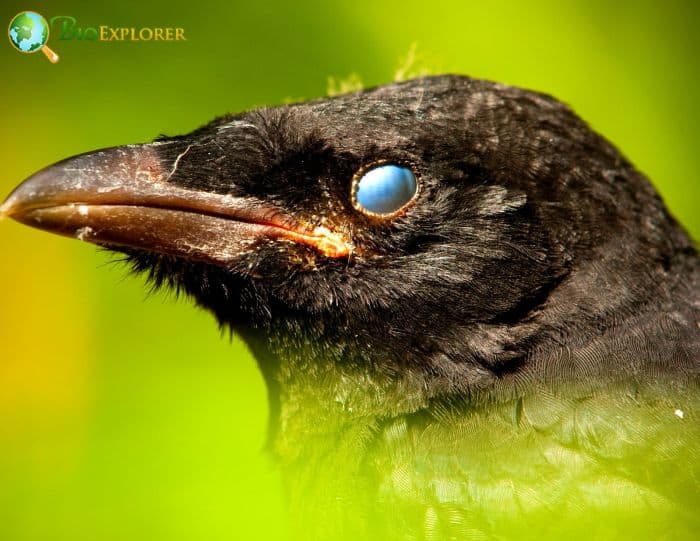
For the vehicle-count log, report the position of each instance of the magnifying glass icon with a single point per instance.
(29, 32)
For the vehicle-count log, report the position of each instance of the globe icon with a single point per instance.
(29, 33)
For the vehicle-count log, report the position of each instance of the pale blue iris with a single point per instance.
(385, 189)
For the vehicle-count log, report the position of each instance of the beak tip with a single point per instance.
(5, 209)
(14, 204)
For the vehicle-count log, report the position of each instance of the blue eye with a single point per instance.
(384, 189)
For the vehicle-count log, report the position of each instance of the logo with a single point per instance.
(29, 32)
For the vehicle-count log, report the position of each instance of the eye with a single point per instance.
(384, 189)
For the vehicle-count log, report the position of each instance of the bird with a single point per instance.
(476, 319)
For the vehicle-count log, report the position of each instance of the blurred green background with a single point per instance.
(128, 416)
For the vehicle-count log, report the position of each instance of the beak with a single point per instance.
(123, 196)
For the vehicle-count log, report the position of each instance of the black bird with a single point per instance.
(475, 317)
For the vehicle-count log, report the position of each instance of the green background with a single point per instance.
(128, 416)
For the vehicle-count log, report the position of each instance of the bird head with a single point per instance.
(441, 218)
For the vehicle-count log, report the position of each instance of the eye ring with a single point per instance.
(399, 176)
